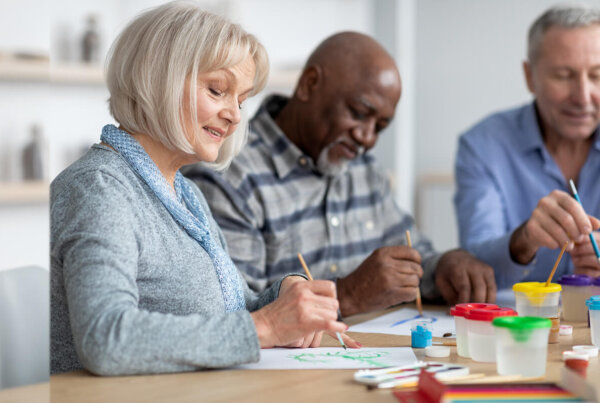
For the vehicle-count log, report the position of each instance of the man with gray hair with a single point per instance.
(513, 200)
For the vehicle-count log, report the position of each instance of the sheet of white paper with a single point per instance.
(400, 321)
(332, 358)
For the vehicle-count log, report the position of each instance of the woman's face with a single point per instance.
(220, 95)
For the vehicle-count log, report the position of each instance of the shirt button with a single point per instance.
(335, 221)
(302, 161)
(369, 225)
(333, 268)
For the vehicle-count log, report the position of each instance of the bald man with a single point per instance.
(304, 183)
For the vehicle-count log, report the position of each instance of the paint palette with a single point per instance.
(394, 376)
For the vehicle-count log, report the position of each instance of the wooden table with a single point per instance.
(277, 386)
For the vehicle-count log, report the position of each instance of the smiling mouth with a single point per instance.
(348, 151)
(213, 132)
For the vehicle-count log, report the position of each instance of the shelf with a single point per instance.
(12, 69)
(77, 74)
(21, 70)
(24, 192)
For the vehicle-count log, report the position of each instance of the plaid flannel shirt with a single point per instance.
(272, 203)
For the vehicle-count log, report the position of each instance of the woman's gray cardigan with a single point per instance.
(131, 291)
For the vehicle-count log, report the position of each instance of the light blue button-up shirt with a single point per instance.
(502, 170)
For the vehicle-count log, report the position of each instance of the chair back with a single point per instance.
(24, 326)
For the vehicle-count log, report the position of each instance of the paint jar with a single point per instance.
(460, 323)
(481, 337)
(590, 351)
(421, 333)
(576, 289)
(521, 345)
(535, 299)
(596, 286)
(593, 305)
(577, 365)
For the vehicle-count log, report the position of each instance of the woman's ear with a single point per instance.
(307, 84)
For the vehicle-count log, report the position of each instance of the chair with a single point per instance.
(24, 326)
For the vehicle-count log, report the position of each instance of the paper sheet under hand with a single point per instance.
(400, 321)
(332, 358)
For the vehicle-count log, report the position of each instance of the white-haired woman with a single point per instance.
(140, 278)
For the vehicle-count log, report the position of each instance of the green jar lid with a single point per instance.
(522, 322)
(521, 327)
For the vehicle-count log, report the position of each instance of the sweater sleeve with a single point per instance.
(96, 243)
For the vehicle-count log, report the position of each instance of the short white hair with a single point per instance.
(149, 63)
(563, 16)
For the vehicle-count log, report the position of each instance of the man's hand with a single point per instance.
(390, 275)
(461, 277)
(557, 218)
(584, 259)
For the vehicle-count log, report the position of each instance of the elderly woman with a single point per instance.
(140, 278)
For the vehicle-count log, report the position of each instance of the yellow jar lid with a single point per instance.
(536, 287)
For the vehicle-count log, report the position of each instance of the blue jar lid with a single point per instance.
(575, 280)
(593, 303)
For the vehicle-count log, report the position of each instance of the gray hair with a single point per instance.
(149, 63)
(563, 16)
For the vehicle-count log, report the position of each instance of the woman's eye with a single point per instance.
(215, 92)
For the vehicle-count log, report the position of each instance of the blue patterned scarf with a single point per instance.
(193, 219)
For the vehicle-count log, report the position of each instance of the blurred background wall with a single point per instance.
(460, 60)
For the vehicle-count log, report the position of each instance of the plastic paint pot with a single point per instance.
(535, 299)
(521, 345)
(481, 336)
(593, 305)
(421, 333)
(576, 289)
(460, 323)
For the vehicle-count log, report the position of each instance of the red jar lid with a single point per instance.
(487, 315)
(462, 309)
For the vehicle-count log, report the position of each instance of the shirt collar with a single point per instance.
(286, 156)
(531, 134)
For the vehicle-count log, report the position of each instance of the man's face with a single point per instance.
(565, 80)
(349, 112)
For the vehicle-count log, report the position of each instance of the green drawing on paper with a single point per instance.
(366, 357)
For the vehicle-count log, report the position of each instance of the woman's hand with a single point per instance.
(297, 318)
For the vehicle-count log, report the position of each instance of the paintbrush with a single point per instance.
(418, 300)
(592, 239)
(310, 278)
(562, 251)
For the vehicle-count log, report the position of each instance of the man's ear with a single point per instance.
(527, 70)
(309, 81)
